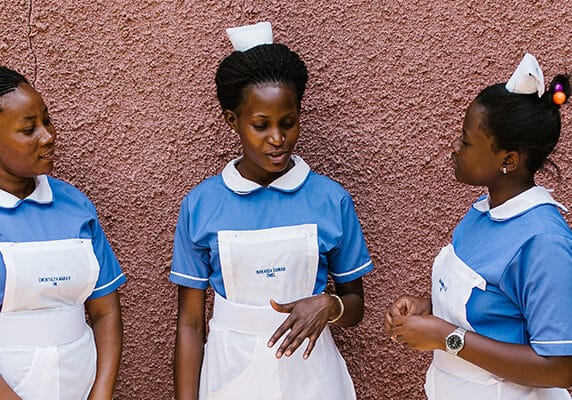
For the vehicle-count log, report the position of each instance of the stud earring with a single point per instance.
(504, 170)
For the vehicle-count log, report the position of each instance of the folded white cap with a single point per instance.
(249, 36)
(527, 78)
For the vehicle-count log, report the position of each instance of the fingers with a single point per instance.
(283, 308)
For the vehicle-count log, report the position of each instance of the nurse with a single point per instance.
(55, 264)
(265, 234)
(499, 319)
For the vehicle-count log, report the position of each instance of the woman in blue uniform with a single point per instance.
(500, 315)
(265, 234)
(54, 260)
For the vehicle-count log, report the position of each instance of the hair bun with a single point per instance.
(559, 89)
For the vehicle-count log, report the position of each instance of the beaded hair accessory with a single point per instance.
(527, 78)
(249, 36)
(558, 94)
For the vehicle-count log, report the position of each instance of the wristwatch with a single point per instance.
(455, 341)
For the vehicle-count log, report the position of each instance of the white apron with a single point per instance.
(47, 350)
(450, 377)
(278, 263)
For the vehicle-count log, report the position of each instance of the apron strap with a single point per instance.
(254, 320)
(42, 328)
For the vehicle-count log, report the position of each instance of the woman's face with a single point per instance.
(268, 123)
(475, 159)
(27, 136)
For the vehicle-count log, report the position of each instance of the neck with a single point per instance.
(21, 188)
(508, 190)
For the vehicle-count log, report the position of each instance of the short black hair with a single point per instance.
(9, 80)
(523, 122)
(267, 63)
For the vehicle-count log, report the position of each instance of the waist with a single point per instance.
(42, 328)
(254, 320)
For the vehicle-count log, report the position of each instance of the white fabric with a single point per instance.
(57, 327)
(42, 194)
(288, 182)
(450, 377)
(249, 36)
(527, 78)
(452, 283)
(238, 364)
(528, 199)
(279, 263)
(49, 278)
(48, 274)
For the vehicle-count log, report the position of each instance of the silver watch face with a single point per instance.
(454, 342)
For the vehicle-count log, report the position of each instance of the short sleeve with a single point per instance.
(542, 286)
(350, 259)
(110, 274)
(190, 266)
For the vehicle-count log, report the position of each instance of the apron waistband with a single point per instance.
(42, 328)
(457, 366)
(254, 320)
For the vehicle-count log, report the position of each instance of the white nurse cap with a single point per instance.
(249, 36)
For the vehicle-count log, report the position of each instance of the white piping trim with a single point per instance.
(108, 284)
(551, 341)
(353, 271)
(189, 277)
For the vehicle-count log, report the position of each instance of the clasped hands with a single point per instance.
(409, 321)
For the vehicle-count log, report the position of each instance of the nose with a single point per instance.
(276, 137)
(48, 134)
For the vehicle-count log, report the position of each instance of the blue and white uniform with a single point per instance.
(54, 257)
(253, 244)
(507, 275)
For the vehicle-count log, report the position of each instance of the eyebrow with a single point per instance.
(33, 117)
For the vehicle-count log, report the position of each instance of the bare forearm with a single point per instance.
(517, 363)
(188, 360)
(351, 294)
(108, 339)
(6, 392)
(105, 315)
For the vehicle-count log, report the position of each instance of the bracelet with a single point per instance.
(331, 321)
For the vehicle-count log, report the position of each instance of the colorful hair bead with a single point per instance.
(558, 87)
(559, 98)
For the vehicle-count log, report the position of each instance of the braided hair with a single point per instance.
(524, 122)
(9, 80)
(267, 63)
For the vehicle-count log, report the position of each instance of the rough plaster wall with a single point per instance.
(130, 87)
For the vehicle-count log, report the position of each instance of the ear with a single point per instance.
(512, 160)
(231, 119)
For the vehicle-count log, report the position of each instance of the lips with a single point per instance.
(278, 158)
(48, 156)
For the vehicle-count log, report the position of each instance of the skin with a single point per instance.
(268, 124)
(409, 320)
(27, 140)
(27, 149)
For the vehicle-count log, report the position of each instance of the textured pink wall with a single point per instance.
(130, 86)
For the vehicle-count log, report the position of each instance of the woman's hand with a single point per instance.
(420, 332)
(309, 316)
(406, 305)
(307, 319)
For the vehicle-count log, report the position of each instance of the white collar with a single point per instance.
(535, 196)
(42, 194)
(289, 182)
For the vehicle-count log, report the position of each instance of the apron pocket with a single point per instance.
(228, 356)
